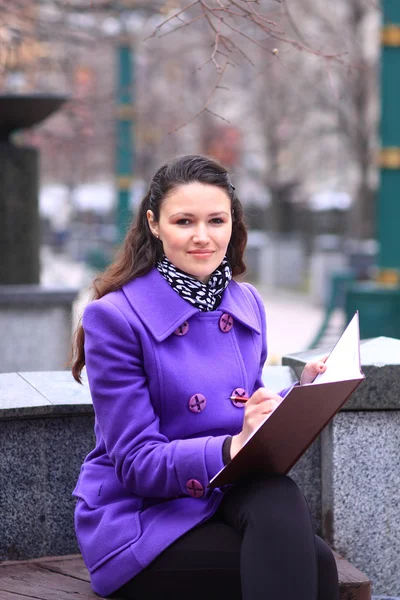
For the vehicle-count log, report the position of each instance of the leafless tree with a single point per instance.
(350, 95)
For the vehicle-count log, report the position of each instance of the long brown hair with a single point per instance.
(141, 249)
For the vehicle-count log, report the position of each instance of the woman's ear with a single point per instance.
(153, 225)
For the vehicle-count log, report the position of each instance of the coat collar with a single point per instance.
(162, 310)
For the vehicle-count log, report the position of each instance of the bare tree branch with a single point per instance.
(206, 108)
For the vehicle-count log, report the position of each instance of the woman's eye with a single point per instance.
(217, 221)
(183, 222)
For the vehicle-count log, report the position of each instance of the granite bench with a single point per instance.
(66, 577)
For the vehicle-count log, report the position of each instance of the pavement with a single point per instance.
(292, 318)
(293, 321)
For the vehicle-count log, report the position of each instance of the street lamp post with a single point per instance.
(124, 134)
(389, 206)
(379, 301)
(126, 102)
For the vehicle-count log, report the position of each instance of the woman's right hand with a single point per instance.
(261, 404)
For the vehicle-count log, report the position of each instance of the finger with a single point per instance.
(268, 406)
(270, 395)
(261, 408)
(262, 394)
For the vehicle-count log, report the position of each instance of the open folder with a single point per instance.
(286, 433)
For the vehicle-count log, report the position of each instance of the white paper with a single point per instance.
(343, 363)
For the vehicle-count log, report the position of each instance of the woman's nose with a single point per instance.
(201, 233)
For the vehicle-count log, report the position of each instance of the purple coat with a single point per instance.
(160, 373)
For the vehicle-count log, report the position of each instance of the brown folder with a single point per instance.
(287, 433)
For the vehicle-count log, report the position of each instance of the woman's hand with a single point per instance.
(261, 404)
(312, 369)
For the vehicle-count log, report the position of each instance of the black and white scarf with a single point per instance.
(205, 296)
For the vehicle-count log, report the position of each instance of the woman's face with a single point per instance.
(195, 227)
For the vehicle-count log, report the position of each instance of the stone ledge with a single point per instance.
(13, 296)
(42, 393)
(380, 362)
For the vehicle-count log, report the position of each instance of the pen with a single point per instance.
(239, 399)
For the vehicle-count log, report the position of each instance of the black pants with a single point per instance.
(260, 545)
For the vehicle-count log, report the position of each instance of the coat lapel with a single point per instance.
(162, 310)
(236, 302)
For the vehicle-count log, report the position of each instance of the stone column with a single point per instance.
(360, 467)
(19, 216)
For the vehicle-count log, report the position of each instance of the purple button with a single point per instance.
(197, 403)
(241, 392)
(225, 323)
(194, 488)
(182, 329)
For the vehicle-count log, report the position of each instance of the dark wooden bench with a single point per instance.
(66, 578)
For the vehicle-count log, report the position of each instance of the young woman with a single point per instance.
(169, 338)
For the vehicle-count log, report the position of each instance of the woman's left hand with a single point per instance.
(312, 369)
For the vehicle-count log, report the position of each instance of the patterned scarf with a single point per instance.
(205, 296)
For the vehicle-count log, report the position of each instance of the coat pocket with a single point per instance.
(99, 486)
(106, 519)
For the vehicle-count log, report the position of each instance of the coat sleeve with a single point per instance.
(145, 461)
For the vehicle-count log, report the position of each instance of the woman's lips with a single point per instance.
(201, 253)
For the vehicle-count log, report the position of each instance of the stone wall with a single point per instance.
(350, 475)
(360, 467)
(46, 423)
